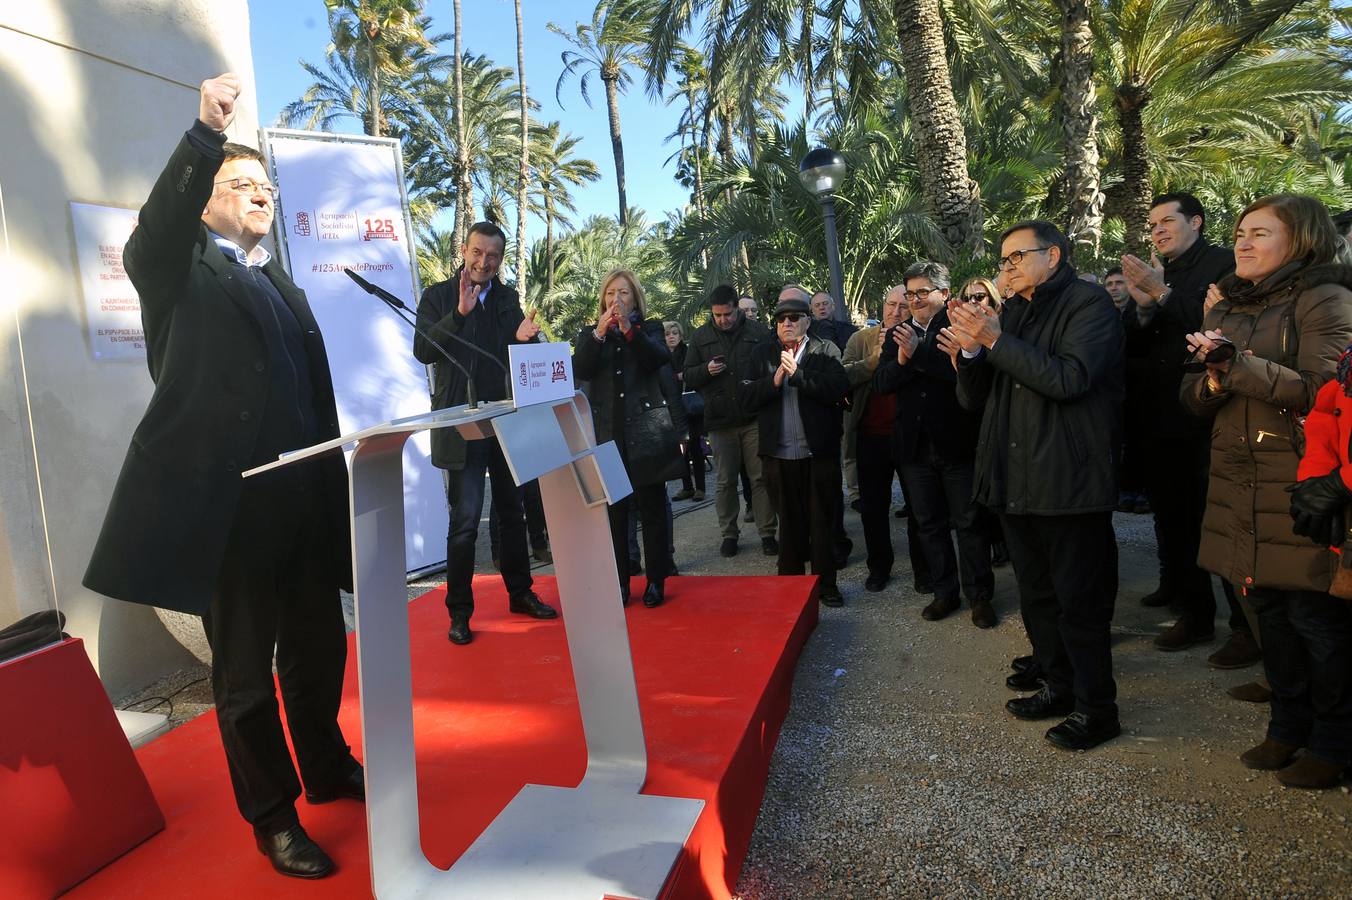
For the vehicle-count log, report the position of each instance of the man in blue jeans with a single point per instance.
(476, 307)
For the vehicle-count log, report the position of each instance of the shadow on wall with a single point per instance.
(98, 133)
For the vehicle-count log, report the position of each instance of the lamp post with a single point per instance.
(821, 172)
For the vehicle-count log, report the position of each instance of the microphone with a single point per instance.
(395, 303)
(399, 308)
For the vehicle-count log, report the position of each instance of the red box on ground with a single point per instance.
(72, 797)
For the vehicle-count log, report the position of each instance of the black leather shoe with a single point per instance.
(1022, 663)
(624, 592)
(635, 567)
(1027, 680)
(876, 583)
(527, 604)
(770, 546)
(999, 554)
(653, 594)
(1041, 705)
(728, 547)
(1157, 598)
(938, 609)
(460, 633)
(543, 554)
(1084, 732)
(350, 787)
(291, 852)
(830, 596)
(983, 614)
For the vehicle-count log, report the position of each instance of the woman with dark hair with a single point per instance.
(1271, 341)
(624, 360)
(692, 478)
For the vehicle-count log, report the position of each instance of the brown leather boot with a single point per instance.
(1183, 634)
(1269, 755)
(1311, 773)
(1252, 692)
(1238, 652)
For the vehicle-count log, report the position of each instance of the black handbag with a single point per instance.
(654, 447)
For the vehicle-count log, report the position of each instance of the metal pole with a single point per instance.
(833, 257)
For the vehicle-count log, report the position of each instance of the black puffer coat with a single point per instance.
(626, 378)
(1051, 392)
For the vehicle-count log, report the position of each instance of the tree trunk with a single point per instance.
(373, 90)
(464, 192)
(549, 244)
(1131, 101)
(953, 197)
(523, 174)
(1079, 121)
(695, 151)
(805, 47)
(616, 143)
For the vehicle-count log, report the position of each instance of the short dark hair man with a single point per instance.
(719, 357)
(795, 385)
(240, 375)
(1115, 283)
(475, 306)
(1173, 445)
(1046, 371)
(934, 443)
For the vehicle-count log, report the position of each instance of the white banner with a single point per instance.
(540, 372)
(342, 206)
(112, 309)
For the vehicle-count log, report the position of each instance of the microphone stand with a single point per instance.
(401, 309)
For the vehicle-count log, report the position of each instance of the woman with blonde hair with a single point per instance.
(983, 291)
(1270, 342)
(626, 364)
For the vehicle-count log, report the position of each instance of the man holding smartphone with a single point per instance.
(719, 357)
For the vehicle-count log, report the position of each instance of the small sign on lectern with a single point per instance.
(540, 373)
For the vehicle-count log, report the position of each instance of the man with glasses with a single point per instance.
(718, 359)
(749, 307)
(934, 442)
(868, 432)
(240, 376)
(1046, 372)
(794, 387)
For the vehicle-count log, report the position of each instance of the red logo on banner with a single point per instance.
(303, 224)
(379, 230)
(560, 372)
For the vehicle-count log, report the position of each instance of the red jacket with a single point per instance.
(1328, 429)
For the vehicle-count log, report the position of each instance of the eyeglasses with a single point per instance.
(1017, 256)
(249, 187)
(976, 297)
(788, 317)
(922, 295)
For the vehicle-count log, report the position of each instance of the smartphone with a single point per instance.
(717, 359)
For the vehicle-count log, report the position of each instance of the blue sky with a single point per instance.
(286, 31)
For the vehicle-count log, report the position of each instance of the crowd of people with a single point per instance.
(1015, 412)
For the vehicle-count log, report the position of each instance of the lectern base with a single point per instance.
(553, 843)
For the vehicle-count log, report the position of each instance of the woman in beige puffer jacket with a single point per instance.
(1288, 311)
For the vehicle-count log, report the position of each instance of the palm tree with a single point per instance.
(1079, 120)
(555, 170)
(524, 171)
(941, 144)
(383, 31)
(610, 46)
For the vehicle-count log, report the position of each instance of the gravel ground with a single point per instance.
(899, 774)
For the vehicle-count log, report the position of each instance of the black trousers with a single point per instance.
(534, 506)
(806, 495)
(692, 478)
(650, 501)
(877, 468)
(277, 590)
(1066, 567)
(466, 495)
(1176, 483)
(940, 494)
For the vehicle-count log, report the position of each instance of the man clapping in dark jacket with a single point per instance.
(1047, 373)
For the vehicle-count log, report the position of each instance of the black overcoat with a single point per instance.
(165, 531)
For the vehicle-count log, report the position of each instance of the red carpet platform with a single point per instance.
(714, 669)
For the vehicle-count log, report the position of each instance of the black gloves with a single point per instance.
(1317, 506)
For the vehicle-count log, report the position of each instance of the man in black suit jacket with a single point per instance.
(240, 375)
(934, 442)
(474, 307)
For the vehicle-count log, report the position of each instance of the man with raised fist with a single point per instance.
(241, 375)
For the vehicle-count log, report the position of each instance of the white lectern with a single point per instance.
(550, 843)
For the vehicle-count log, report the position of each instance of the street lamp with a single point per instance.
(821, 172)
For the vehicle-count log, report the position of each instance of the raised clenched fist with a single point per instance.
(217, 108)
